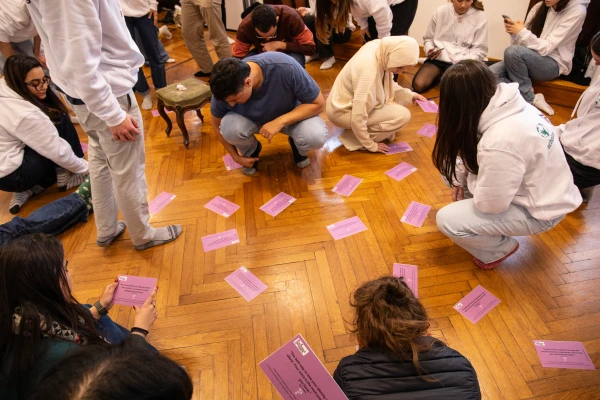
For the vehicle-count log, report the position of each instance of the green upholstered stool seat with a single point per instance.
(196, 95)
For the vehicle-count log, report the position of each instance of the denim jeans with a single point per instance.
(308, 134)
(298, 57)
(521, 65)
(52, 219)
(488, 237)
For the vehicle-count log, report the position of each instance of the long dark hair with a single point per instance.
(389, 317)
(16, 69)
(32, 278)
(536, 26)
(465, 91)
(595, 43)
(331, 17)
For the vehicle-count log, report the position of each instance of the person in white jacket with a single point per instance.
(457, 31)
(94, 61)
(542, 47)
(508, 171)
(39, 145)
(580, 136)
(142, 16)
(381, 18)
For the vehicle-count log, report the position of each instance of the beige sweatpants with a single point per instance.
(382, 124)
(194, 13)
(117, 174)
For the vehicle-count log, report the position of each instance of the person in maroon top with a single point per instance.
(274, 28)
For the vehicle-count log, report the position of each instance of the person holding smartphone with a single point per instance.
(457, 31)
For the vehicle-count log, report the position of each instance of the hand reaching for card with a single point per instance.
(147, 313)
(418, 97)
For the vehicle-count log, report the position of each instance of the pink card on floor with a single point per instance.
(476, 304)
(428, 130)
(570, 355)
(230, 164)
(347, 185)
(222, 206)
(410, 275)
(415, 214)
(84, 147)
(133, 290)
(401, 171)
(160, 202)
(396, 148)
(156, 114)
(346, 228)
(277, 204)
(428, 106)
(218, 240)
(298, 374)
(246, 283)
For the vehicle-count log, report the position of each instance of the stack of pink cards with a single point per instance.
(246, 283)
(347, 185)
(84, 147)
(160, 202)
(415, 214)
(229, 163)
(428, 130)
(133, 290)
(476, 304)
(401, 171)
(218, 240)
(570, 355)
(346, 228)
(277, 204)
(222, 206)
(396, 148)
(410, 275)
(428, 106)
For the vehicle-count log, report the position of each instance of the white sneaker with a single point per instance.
(230, 40)
(164, 31)
(327, 64)
(308, 59)
(147, 102)
(170, 60)
(540, 102)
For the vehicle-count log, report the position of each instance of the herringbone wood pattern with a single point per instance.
(549, 289)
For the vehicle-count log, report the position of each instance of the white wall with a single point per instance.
(498, 39)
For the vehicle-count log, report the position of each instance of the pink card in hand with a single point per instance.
(221, 206)
(346, 228)
(160, 202)
(410, 275)
(229, 163)
(396, 148)
(347, 185)
(476, 304)
(133, 290)
(401, 171)
(570, 355)
(428, 130)
(218, 240)
(415, 214)
(277, 204)
(84, 147)
(246, 283)
(428, 106)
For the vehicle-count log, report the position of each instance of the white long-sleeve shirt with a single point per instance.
(379, 10)
(462, 37)
(15, 23)
(559, 35)
(580, 137)
(23, 124)
(89, 52)
(138, 8)
(520, 160)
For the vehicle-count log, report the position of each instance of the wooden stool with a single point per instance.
(196, 95)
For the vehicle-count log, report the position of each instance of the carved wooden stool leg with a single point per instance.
(163, 114)
(180, 112)
(199, 114)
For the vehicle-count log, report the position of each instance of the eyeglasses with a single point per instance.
(39, 84)
(274, 36)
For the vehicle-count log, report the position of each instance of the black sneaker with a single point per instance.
(201, 74)
(300, 160)
(254, 168)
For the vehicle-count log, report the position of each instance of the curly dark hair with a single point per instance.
(228, 77)
(264, 17)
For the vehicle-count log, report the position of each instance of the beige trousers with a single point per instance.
(117, 174)
(193, 17)
(382, 124)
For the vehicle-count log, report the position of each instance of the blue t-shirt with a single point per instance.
(285, 85)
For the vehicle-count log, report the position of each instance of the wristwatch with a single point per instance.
(101, 310)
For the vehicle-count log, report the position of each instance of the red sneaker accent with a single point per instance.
(494, 264)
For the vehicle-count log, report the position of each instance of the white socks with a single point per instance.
(147, 102)
(161, 236)
(308, 59)
(328, 63)
(164, 31)
(540, 102)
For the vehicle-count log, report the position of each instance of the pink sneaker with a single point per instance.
(494, 264)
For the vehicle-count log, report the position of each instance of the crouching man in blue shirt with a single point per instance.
(268, 93)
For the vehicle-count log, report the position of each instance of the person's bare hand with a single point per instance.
(106, 300)
(42, 59)
(418, 97)
(273, 46)
(153, 14)
(513, 27)
(247, 162)
(302, 11)
(364, 32)
(382, 148)
(432, 54)
(270, 129)
(458, 193)
(126, 131)
(147, 313)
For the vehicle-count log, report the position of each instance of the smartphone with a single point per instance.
(506, 17)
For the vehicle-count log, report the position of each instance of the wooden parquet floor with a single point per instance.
(549, 290)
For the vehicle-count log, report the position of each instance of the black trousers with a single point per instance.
(583, 176)
(403, 16)
(36, 169)
(325, 50)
